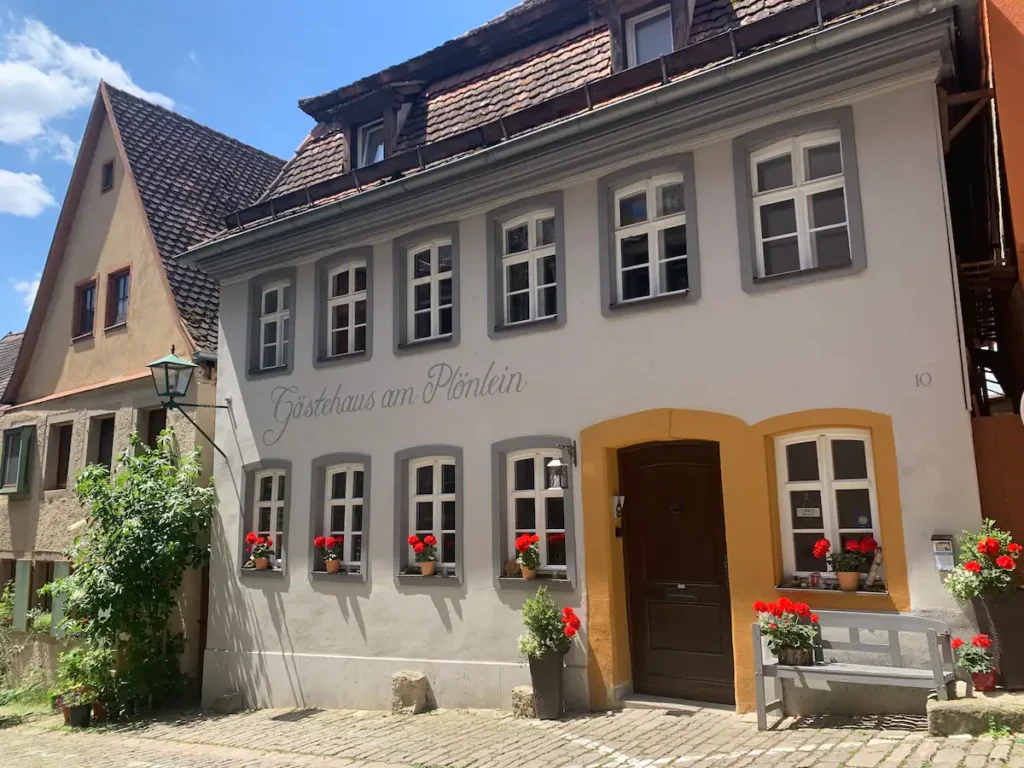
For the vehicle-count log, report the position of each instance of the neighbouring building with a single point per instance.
(698, 252)
(147, 184)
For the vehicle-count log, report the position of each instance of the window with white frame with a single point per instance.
(826, 483)
(343, 511)
(432, 504)
(346, 309)
(529, 283)
(536, 505)
(649, 35)
(269, 508)
(275, 326)
(650, 238)
(430, 290)
(371, 143)
(800, 211)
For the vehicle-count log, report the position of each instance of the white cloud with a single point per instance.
(27, 289)
(23, 194)
(43, 78)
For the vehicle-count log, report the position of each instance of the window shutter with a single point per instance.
(27, 449)
(22, 586)
(61, 570)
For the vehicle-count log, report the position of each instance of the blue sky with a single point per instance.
(239, 67)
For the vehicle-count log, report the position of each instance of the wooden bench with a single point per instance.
(940, 675)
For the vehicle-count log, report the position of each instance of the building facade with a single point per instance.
(722, 297)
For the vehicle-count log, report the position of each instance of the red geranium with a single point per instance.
(814, 618)
(425, 550)
(853, 546)
(973, 566)
(413, 539)
(418, 547)
(429, 540)
(821, 548)
(1006, 562)
(555, 538)
(760, 606)
(1014, 548)
(988, 546)
(981, 641)
(571, 622)
(250, 538)
(957, 642)
(570, 631)
(786, 624)
(867, 545)
(259, 548)
(318, 541)
(330, 541)
(529, 552)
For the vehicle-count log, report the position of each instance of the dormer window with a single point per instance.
(371, 144)
(649, 35)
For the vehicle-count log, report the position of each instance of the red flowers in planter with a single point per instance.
(981, 641)
(988, 546)
(957, 642)
(1006, 562)
(571, 622)
(786, 624)
(425, 549)
(973, 566)
(258, 546)
(821, 548)
(525, 541)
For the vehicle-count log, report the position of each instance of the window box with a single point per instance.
(16, 460)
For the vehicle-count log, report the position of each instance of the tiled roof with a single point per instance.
(527, 77)
(189, 177)
(10, 344)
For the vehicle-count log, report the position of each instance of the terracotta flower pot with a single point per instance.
(796, 657)
(984, 681)
(848, 580)
(333, 566)
(67, 715)
(427, 567)
(528, 573)
(99, 711)
(261, 563)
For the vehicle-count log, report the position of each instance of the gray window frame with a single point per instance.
(400, 276)
(496, 326)
(606, 186)
(499, 511)
(841, 119)
(321, 321)
(256, 286)
(318, 480)
(247, 517)
(403, 557)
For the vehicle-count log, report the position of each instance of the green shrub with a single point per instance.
(547, 628)
(41, 623)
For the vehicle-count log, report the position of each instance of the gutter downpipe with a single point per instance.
(661, 96)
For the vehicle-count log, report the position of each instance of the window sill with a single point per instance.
(518, 582)
(116, 327)
(260, 373)
(410, 347)
(325, 361)
(440, 580)
(269, 573)
(13, 490)
(832, 590)
(804, 276)
(340, 578)
(528, 326)
(652, 302)
(81, 337)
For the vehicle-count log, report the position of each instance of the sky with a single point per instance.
(238, 67)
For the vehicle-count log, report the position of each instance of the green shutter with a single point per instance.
(61, 570)
(22, 586)
(27, 448)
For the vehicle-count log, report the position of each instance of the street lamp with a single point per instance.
(171, 377)
(559, 467)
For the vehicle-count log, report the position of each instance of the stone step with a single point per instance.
(990, 710)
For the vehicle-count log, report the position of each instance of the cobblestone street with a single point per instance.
(631, 738)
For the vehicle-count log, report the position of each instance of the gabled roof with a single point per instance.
(10, 344)
(189, 177)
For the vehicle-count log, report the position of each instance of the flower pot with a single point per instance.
(1001, 617)
(261, 563)
(99, 711)
(528, 573)
(546, 676)
(427, 567)
(78, 716)
(848, 580)
(984, 681)
(796, 657)
(67, 715)
(333, 566)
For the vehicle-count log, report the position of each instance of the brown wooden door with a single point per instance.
(676, 571)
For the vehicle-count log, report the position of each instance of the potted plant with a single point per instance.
(334, 551)
(848, 563)
(260, 550)
(548, 637)
(425, 552)
(977, 660)
(985, 576)
(791, 629)
(529, 554)
(78, 703)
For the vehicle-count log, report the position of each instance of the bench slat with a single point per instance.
(880, 621)
(868, 673)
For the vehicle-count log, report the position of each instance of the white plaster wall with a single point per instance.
(855, 342)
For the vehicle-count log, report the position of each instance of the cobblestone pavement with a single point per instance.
(697, 738)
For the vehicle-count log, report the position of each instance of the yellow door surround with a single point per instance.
(751, 528)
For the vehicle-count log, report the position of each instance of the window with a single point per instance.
(59, 456)
(432, 504)
(344, 504)
(536, 504)
(649, 36)
(275, 326)
(371, 143)
(346, 309)
(650, 238)
(101, 441)
(528, 268)
(156, 422)
(118, 285)
(107, 176)
(85, 308)
(15, 457)
(430, 291)
(826, 486)
(270, 507)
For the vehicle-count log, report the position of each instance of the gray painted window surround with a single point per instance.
(403, 553)
(247, 518)
(400, 277)
(496, 326)
(840, 118)
(499, 505)
(256, 286)
(322, 269)
(318, 489)
(606, 186)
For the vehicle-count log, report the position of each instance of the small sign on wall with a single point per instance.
(808, 512)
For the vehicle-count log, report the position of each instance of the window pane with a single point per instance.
(827, 208)
(670, 199)
(264, 519)
(444, 292)
(280, 487)
(633, 209)
(518, 307)
(653, 37)
(781, 256)
(447, 478)
(270, 333)
(636, 283)
(266, 488)
(556, 549)
(805, 510)
(421, 264)
(337, 518)
(517, 276)
(448, 515)
(340, 287)
(523, 473)
(849, 460)
(555, 513)
(803, 548)
(341, 315)
(424, 480)
(517, 239)
(12, 456)
(338, 483)
(634, 250)
(357, 517)
(674, 276)
(547, 302)
(357, 484)
(357, 548)
(360, 343)
(778, 218)
(285, 329)
(824, 161)
(802, 461)
(270, 302)
(546, 231)
(546, 271)
(269, 357)
(445, 321)
(339, 343)
(421, 326)
(421, 296)
(444, 258)
(360, 278)
(775, 173)
(360, 312)
(447, 547)
(526, 514)
(854, 506)
(424, 515)
(831, 247)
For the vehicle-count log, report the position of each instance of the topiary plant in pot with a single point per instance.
(549, 636)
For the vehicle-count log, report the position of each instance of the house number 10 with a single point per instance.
(923, 379)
